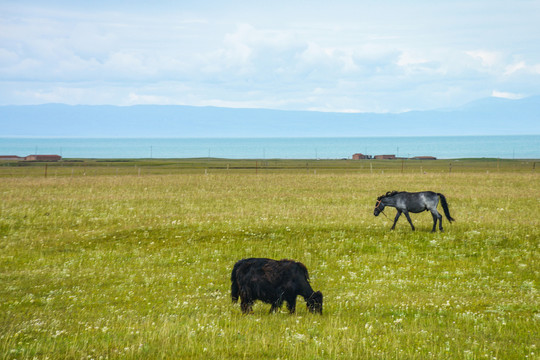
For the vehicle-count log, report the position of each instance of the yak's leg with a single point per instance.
(276, 306)
(409, 219)
(396, 219)
(291, 304)
(246, 306)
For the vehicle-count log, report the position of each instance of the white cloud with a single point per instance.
(406, 58)
(139, 99)
(8, 58)
(515, 67)
(506, 95)
(487, 58)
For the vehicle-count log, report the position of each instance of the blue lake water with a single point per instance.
(442, 147)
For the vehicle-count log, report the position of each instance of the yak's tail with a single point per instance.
(235, 290)
(445, 207)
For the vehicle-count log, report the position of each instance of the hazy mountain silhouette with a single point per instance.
(491, 116)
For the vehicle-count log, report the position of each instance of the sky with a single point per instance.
(335, 56)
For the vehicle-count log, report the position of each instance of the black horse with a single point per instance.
(406, 202)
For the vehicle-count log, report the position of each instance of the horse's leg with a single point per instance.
(436, 216)
(434, 222)
(396, 219)
(409, 219)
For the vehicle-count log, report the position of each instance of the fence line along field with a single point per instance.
(137, 266)
(122, 167)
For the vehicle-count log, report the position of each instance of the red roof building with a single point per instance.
(43, 158)
(10, 157)
(424, 158)
(359, 156)
(385, 157)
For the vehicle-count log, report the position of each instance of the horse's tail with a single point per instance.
(235, 290)
(445, 207)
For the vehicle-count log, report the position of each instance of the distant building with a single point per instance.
(359, 156)
(424, 158)
(43, 158)
(10, 158)
(385, 157)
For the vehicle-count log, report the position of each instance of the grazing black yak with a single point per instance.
(273, 282)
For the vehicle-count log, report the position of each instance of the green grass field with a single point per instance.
(132, 260)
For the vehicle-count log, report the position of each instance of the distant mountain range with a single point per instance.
(491, 116)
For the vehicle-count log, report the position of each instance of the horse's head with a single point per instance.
(379, 207)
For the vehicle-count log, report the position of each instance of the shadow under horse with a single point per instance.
(414, 202)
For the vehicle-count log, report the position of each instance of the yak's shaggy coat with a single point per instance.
(273, 282)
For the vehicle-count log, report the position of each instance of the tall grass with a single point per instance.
(139, 266)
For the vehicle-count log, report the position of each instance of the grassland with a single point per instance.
(132, 259)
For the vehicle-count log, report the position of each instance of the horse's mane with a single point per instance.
(388, 194)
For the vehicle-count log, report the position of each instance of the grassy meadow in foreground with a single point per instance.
(132, 267)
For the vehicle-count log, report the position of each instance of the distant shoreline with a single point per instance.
(440, 147)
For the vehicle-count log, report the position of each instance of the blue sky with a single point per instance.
(346, 56)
